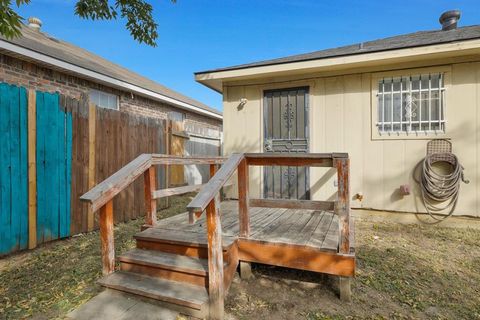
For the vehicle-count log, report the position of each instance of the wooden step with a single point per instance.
(192, 239)
(166, 265)
(165, 260)
(167, 291)
(189, 243)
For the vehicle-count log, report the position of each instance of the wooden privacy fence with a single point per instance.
(55, 148)
(52, 150)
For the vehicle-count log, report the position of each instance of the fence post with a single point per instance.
(150, 183)
(215, 262)
(92, 114)
(106, 236)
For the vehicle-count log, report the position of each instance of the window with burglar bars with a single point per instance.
(412, 104)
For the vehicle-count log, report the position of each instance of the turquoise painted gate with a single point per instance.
(13, 169)
(54, 162)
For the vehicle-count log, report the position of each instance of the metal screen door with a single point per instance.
(285, 117)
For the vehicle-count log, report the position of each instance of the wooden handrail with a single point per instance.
(294, 159)
(158, 159)
(113, 185)
(100, 197)
(208, 193)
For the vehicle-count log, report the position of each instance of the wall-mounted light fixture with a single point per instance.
(242, 103)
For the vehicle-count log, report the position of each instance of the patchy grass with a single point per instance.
(403, 272)
(48, 282)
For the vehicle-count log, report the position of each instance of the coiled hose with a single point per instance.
(440, 191)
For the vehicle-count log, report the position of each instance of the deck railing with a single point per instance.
(205, 200)
(101, 198)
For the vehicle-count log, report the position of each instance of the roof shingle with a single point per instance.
(417, 39)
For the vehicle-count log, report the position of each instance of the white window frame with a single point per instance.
(108, 95)
(379, 134)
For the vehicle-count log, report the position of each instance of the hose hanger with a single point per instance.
(440, 179)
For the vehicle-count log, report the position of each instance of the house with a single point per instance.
(381, 101)
(69, 120)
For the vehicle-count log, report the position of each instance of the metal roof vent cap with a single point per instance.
(34, 23)
(449, 19)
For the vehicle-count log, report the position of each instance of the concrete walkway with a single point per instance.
(115, 305)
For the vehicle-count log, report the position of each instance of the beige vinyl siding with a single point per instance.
(341, 121)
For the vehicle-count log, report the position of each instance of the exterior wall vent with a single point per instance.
(449, 19)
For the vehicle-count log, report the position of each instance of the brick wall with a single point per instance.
(31, 75)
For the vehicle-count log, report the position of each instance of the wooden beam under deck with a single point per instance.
(296, 257)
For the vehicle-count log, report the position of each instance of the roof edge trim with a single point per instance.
(103, 78)
(270, 63)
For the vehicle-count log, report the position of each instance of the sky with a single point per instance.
(198, 35)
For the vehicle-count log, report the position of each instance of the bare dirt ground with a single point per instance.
(403, 272)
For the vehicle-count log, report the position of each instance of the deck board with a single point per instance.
(309, 228)
(306, 233)
(320, 232)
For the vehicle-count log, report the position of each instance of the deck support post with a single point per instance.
(106, 236)
(342, 209)
(243, 202)
(150, 181)
(245, 270)
(216, 289)
(345, 286)
(342, 206)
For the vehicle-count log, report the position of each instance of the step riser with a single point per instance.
(189, 251)
(168, 274)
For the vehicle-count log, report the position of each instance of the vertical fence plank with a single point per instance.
(79, 166)
(65, 231)
(61, 169)
(52, 162)
(5, 204)
(40, 161)
(4, 227)
(32, 170)
(91, 158)
(14, 124)
(23, 132)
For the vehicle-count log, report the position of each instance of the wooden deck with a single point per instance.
(204, 247)
(310, 228)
